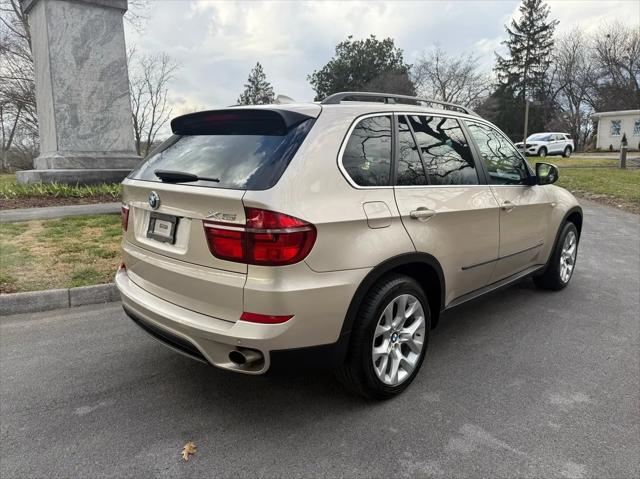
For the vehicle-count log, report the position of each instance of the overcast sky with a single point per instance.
(217, 43)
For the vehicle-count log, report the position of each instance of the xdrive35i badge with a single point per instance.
(219, 215)
(154, 200)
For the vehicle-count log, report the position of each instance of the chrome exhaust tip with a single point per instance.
(245, 357)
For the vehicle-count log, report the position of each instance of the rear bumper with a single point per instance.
(319, 307)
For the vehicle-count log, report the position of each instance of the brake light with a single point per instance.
(267, 239)
(264, 318)
(125, 217)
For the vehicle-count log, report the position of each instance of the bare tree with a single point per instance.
(616, 54)
(18, 121)
(137, 14)
(574, 76)
(149, 78)
(438, 75)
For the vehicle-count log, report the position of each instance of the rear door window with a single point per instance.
(367, 155)
(444, 150)
(242, 154)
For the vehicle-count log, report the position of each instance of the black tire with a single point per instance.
(542, 152)
(567, 152)
(357, 373)
(551, 278)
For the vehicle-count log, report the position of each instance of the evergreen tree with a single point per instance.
(257, 90)
(530, 44)
(522, 73)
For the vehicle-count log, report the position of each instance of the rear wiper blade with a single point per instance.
(168, 176)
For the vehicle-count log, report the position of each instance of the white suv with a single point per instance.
(543, 144)
(333, 233)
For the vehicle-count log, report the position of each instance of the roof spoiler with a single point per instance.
(237, 121)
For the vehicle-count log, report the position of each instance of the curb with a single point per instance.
(54, 212)
(36, 301)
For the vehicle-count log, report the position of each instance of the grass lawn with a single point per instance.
(7, 180)
(13, 195)
(613, 186)
(63, 253)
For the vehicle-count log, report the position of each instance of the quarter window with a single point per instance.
(504, 164)
(615, 127)
(410, 169)
(444, 150)
(367, 156)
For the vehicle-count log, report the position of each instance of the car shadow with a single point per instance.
(316, 393)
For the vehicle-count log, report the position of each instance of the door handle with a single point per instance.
(422, 213)
(507, 206)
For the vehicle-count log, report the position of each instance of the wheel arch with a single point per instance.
(574, 215)
(422, 267)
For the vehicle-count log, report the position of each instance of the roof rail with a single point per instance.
(337, 98)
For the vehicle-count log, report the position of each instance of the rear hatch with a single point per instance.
(200, 175)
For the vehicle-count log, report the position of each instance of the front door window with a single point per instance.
(503, 162)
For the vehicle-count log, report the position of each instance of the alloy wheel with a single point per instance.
(398, 340)
(568, 256)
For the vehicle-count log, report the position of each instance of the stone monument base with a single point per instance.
(84, 168)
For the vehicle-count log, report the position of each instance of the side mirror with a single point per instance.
(546, 173)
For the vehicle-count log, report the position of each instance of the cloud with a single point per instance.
(217, 43)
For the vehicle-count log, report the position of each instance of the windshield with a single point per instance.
(240, 161)
(539, 137)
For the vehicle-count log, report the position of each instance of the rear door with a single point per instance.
(524, 210)
(230, 152)
(558, 143)
(445, 207)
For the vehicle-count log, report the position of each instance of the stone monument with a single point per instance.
(82, 92)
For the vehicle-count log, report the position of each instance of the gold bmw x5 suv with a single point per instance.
(333, 233)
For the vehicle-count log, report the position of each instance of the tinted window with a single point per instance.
(410, 169)
(367, 156)
(445, 152)
(539, 137)
(504, 165)
(240, 161)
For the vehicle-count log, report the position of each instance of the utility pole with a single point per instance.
(526, 122)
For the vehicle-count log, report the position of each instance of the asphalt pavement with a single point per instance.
(521, 383)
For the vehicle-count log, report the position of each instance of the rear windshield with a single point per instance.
(250, 161)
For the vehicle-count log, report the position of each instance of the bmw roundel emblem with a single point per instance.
(154, 200)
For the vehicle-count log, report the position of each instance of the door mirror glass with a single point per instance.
(546, 173)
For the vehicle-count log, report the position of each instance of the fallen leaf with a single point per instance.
(189, 449)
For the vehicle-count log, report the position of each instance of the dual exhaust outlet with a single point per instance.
(243, 357)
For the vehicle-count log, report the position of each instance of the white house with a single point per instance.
(613, 124)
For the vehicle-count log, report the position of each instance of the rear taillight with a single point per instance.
(125, 217)
(267, 239)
